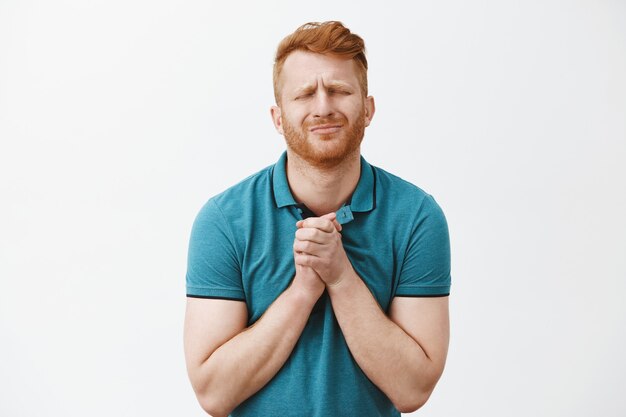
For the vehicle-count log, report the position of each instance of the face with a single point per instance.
(322, 111)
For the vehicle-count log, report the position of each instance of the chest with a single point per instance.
(268, 266)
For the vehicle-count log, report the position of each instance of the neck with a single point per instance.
(323, 190)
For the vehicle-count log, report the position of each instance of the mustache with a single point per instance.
(325, 121)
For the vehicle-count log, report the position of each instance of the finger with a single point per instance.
(333, 217)
(321, 223)
(330, 216)
(304, 259)
(312, 235)
(306, 246)
(337, 225)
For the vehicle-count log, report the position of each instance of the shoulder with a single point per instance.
(402, 194)
(246, 192)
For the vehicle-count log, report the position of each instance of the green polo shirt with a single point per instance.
(396, 238)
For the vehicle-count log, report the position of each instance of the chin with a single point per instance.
(324, 151)
(330, 158)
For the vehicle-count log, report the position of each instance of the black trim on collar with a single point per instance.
(305, 212)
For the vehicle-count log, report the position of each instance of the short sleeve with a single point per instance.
(425, 270)
(213, 267)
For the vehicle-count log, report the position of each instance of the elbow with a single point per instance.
(410, 406)
(211, 400)
(208, 394)
(212, 406)
(414, 397)
(412, 403)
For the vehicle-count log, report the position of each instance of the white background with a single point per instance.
(119, 119)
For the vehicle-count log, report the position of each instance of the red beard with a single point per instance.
(325, 151)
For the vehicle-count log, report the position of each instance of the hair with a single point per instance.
(331, 38)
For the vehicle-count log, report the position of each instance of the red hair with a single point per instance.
(331, 38)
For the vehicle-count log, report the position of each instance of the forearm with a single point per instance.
(248, 361)
(390, 358)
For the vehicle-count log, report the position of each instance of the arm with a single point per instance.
(227, 362)
(403, 354)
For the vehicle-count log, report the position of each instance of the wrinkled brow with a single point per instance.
(332, 85)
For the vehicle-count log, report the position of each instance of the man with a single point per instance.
(318, 286)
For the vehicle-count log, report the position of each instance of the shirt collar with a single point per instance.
(363, 198)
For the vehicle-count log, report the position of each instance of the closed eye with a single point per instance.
(303, 96)
(340, 91)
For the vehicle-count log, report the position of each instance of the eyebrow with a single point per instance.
(306, 89)
(332, 85)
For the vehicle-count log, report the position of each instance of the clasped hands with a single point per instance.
(318, 250)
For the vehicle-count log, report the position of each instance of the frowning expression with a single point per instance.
(322, 111)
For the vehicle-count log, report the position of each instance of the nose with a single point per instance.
(323, 106)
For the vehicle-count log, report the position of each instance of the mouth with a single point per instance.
(325, 129)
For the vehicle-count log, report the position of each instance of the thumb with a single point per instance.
(333, 218)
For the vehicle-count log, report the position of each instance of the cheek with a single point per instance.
(356, 112)
(294, 117)
(355, 106)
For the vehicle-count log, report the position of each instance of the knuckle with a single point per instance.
(303, 234)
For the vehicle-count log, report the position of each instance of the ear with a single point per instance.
(370, 109)
(277, 118)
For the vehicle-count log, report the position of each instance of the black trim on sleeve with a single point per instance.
(215, 297)
(423, 295)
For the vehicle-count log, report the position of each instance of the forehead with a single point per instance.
(303, 68)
